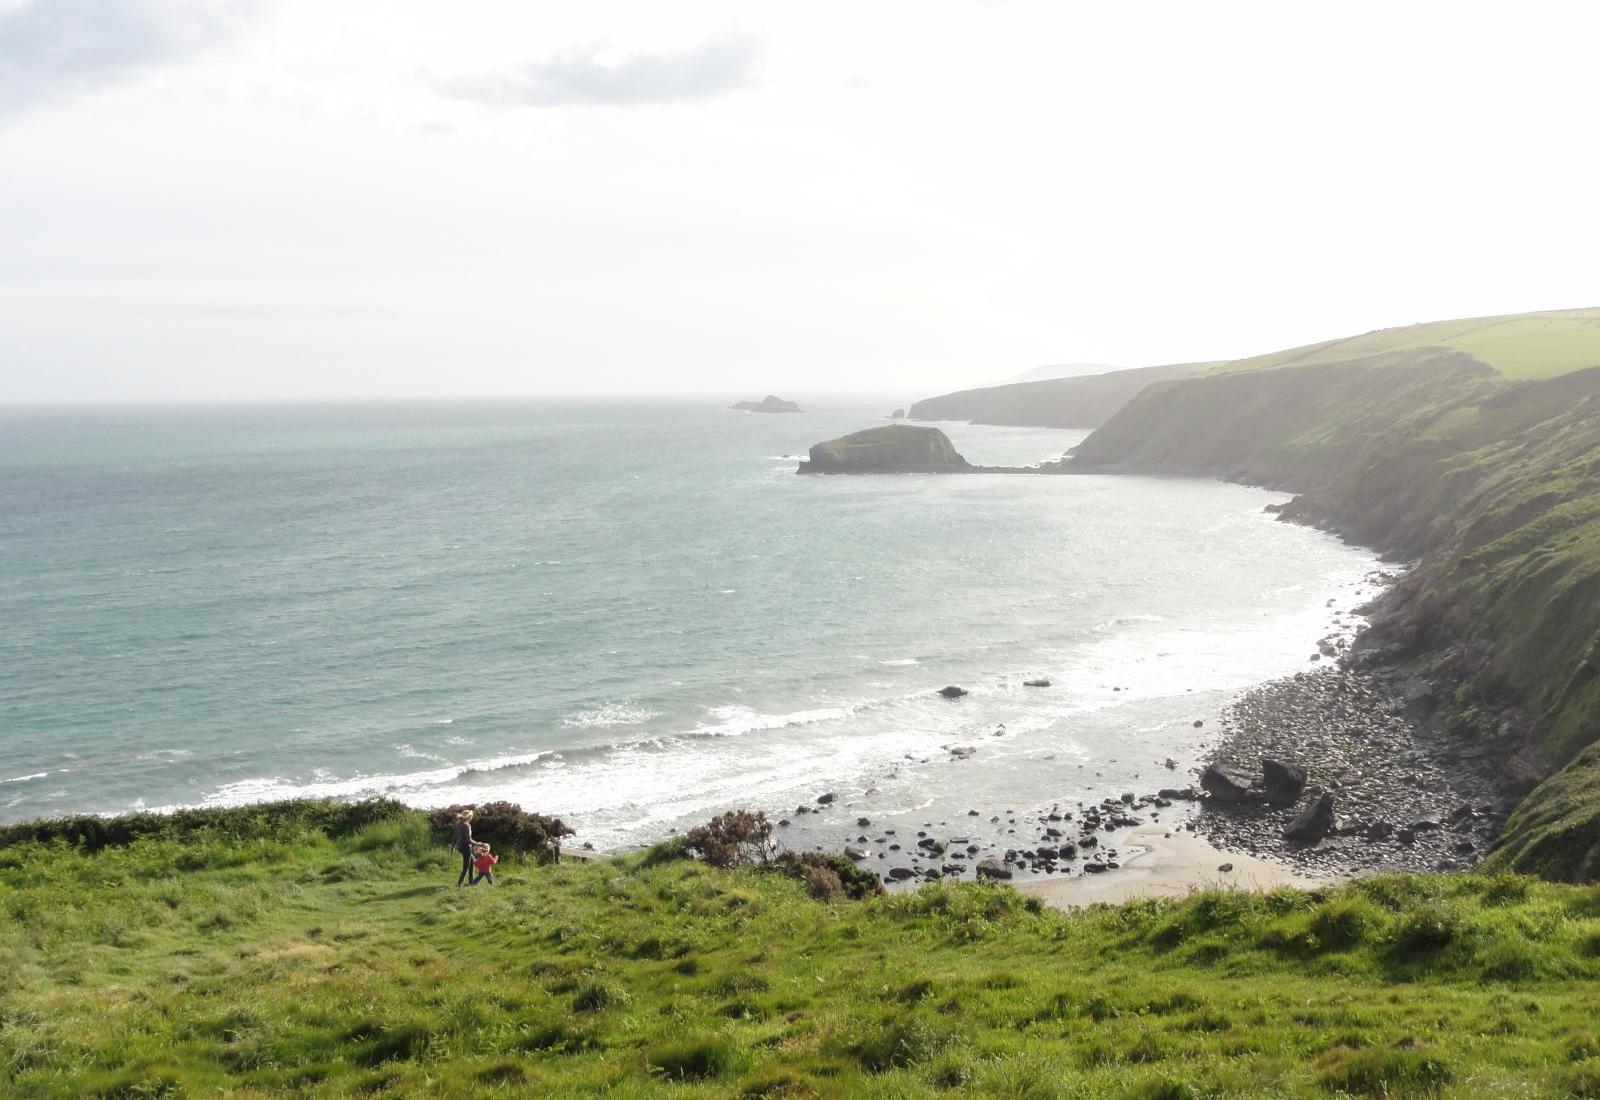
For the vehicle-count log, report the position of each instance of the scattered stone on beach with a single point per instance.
(855, 853)
(1225, 868)
(900, 874)
(952, 692)
(1199, 722)
(962, 752)
(993, 868)
(863, 822)
(825, 799)
(1040, 683)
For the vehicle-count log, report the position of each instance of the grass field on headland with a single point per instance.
(300, 964)
(1517, 345)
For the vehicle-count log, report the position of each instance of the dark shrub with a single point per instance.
(738, 838)
(855, 883)
(508, 827)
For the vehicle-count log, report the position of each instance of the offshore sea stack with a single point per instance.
(889, 449)
(771, 403)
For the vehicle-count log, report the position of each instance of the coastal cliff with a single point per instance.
(1082, 402)
(1480, 466)
(890, 449)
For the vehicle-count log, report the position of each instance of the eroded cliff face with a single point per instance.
(1491, 487)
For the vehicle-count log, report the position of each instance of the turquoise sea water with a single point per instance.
(631, 615)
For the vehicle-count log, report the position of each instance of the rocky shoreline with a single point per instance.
(1393, 794)
(1329, 773)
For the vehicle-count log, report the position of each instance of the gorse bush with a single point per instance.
(509, 828)
(743, 838)
(829, 876)
(738, 838)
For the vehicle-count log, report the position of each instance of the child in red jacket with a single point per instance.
(483, 862)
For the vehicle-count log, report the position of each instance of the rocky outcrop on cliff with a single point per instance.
(890, 449)
(1083, 402)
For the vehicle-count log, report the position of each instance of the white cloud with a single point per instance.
(587, 75)
(50, 48)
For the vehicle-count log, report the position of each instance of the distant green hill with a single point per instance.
(1516, 345)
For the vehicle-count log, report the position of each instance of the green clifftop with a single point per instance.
(1517, 345)
(892, 448)
(1086, 401)
(1492, 484)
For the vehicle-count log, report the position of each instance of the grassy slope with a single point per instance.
(1493, 484)
(1082, 401)
(1519, 345)
(311, 967)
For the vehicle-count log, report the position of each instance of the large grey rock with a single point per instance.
(1229, 785)
(1314, 823)
(993, 868)
(1282, 782)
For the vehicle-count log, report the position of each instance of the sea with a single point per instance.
(630, 615)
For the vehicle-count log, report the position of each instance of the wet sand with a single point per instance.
(1161, 864)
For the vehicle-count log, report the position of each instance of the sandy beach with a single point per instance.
(1159, 863)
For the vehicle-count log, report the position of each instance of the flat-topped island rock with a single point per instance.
(889, 449)
(771, 403)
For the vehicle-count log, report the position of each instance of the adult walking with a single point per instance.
(462, 842)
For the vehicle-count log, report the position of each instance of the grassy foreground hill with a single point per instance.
(1485, 472)
(299, 963)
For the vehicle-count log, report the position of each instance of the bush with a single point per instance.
(738, 838)
(511, 829)
(830, 876)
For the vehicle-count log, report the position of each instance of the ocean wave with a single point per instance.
(900, 662)
(25, 778)
(610, 714)
(735, 721)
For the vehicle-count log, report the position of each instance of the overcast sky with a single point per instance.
(304, 198)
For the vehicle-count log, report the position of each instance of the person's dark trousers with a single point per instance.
(466, 870)
(481, 876)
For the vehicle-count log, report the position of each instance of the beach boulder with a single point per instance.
(1314, 823)
(1282, 782)
(993, 868)
(952, 692)
(1228, 785)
